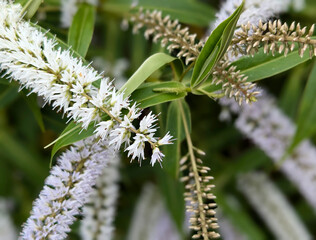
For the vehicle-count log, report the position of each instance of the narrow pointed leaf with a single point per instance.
(81, 29)
(214, 48)
(148, 67)
(29, 7)
(306, 120)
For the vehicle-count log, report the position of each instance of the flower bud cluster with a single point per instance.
(199, 198)
(234, 84)
(169, 32)
(274, 37)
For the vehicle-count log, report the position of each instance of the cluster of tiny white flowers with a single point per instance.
(66, 190)
(7, 229)
(69, 8)
(272, 206)
(29, 57)
(99, 211)
(272, 131)
(151, 220)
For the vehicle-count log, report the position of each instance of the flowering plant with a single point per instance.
(108, 95)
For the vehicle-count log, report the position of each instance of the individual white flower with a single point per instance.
(28, 56)
(134, 112)
(66, 190)
(137, 148)
(104, 128)
(100, 209)
(147, 125)
(119, 136)
(127, 123)
(156, 156)
(118, 103)
(272, 206)
(167, 139)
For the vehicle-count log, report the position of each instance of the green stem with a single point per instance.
(211, 95)
(186, 71)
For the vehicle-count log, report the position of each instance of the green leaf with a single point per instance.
(214, 48)
(8, 95)
(81, 29)
(146, 95)
(175, 126)
(71, 134)
(187, 11)
(292, 91)
(204, 66)
(265, 65)
(306, 120)
(148, 67)
(36, 110)
(29, 7)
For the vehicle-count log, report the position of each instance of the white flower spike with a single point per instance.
(66, 190)
(28, 56)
